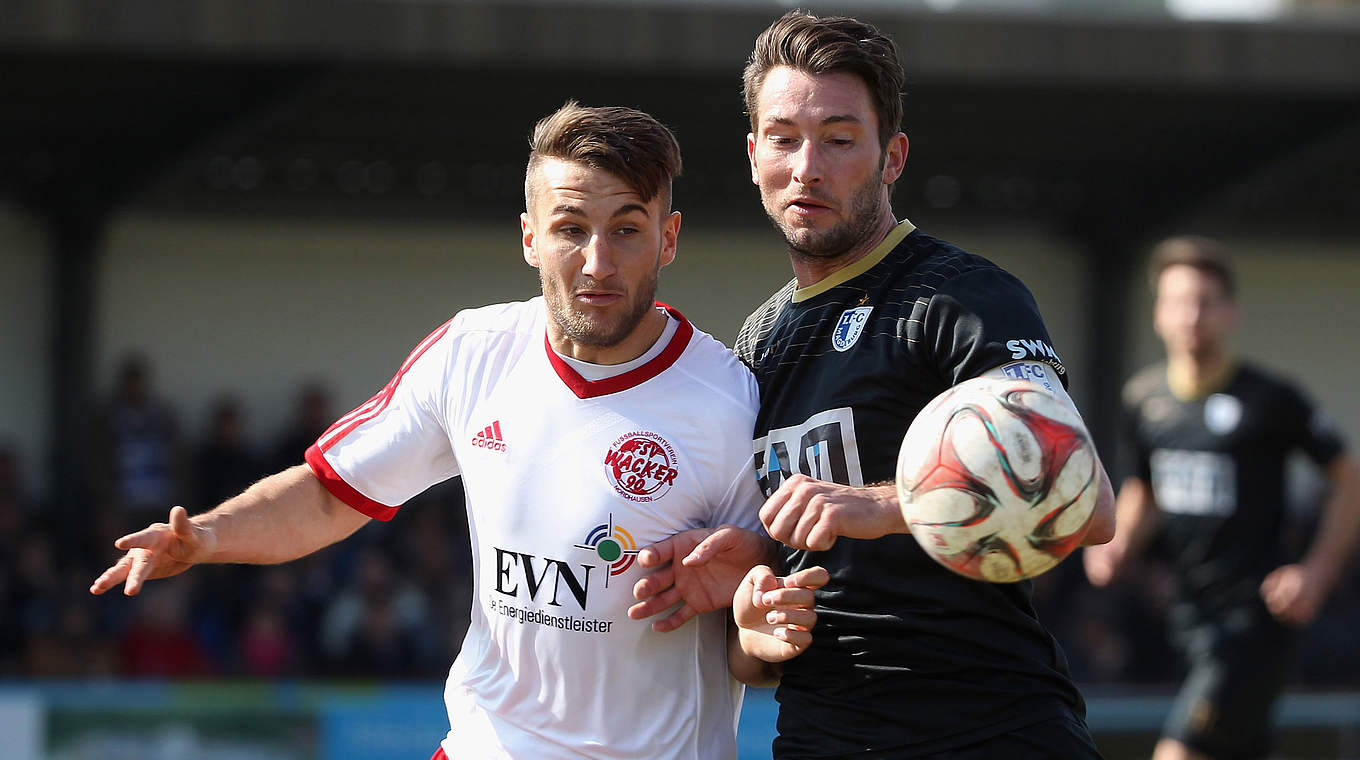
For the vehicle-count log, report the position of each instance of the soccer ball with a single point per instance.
(997, 479)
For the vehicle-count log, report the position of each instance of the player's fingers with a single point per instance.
(716, 543)
(783, 524)
(146, 538)
(802, 619)
(655, 604)
(773, 506)
(112, 576)
(788, 597)
(822, 536)
(179, 523)
(811, 577)
(657, 554)
(810, 520)
(139, 570)
(675, 619)
(797, 640)
(654, 583)
(762, 579)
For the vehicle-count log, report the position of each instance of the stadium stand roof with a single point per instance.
(1104, 130)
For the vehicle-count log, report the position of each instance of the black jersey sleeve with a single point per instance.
(981, 319)
(1308, 428)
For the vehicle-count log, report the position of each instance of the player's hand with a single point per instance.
(157, 551)
(811, 514)
(1292, 594)
(698, 569)
(1102, 562)
(775, 615)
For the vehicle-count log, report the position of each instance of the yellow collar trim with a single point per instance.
(856, 268)
(1185, 388)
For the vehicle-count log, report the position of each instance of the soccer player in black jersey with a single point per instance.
(907, 659)
(1209, 435)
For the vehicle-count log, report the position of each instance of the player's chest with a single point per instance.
(1222, 422)
(840, 356)
(536, 458)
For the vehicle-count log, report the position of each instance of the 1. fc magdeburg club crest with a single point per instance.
(641, 466)
(849, 327)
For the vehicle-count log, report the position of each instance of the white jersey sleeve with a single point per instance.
(727, 393)
(395, 445)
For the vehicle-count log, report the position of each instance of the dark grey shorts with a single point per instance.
(1224, 706)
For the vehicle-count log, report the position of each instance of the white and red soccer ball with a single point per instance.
(997, 479)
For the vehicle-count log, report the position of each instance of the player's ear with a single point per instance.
(895, 157)
(526, 228)
(670, 236)
(751, 156)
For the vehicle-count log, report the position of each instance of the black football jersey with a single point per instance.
(907, 657)
(1216, 465)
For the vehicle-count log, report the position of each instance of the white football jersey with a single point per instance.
(566, 479)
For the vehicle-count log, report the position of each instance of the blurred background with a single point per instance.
(225, 223)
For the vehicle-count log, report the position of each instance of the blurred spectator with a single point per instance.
(224, 466)
(137, 457)
(379, 625)
(311, 419)
(72, 646)
(267, 645)
(434, 540)
(160, 642)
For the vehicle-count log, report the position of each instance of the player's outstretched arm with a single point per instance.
(698, 569)
(1136, 514)
(805, 513)
(283, 517)
(1295, 593)
(774, 617)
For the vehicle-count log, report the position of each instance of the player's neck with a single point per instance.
(648, 330)
(1193, 377)
(810, 270)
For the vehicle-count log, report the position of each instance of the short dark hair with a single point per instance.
(1205, 254)
(625, 142)
(829, 45)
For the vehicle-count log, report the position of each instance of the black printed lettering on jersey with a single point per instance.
(825, 443)
(771, 477)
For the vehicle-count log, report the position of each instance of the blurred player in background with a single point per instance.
(586, 423)
(1209, 435)
(908, 659)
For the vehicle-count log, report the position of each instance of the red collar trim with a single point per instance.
(584, 388)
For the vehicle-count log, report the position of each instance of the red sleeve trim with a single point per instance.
(343, 491)
(584, 388)
(376, 405)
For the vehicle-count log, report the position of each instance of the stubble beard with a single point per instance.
(865, 205)
(583, 330)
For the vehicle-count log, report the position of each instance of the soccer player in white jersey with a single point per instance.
(587, 424)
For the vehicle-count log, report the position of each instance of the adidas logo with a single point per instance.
(490, 438)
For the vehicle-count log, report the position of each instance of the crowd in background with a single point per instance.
(392, 601)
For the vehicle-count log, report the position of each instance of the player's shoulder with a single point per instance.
(495, 329)
(940, 261)
(1265, 377)
(1269, 385)
(758, 324)
(1146, 383)
(717, 371)
(500, 318)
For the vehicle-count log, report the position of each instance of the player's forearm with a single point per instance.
(1339, 527)
(1135, 514)
(283, 517)
(748, 668)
